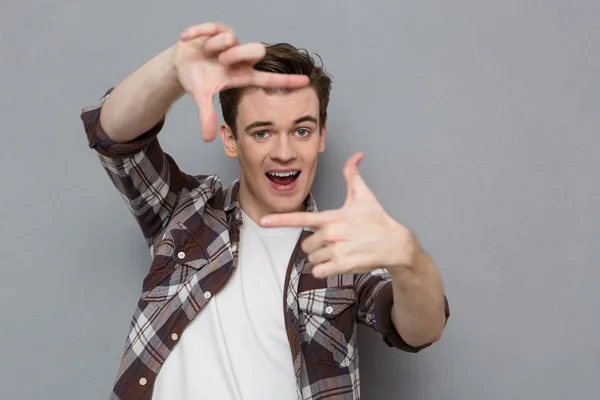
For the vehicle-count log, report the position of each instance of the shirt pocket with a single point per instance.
(177, 260)
(328, 324)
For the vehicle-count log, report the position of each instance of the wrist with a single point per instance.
(403, 250)
(171, 69)
(402, 275)
(414, 274)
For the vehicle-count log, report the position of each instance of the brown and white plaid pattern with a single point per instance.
(191, 224)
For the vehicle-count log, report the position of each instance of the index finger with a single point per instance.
(298, 219)
(206, 29)
(276, 80)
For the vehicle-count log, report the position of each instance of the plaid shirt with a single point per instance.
(191, 224)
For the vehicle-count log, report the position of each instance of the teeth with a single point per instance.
(283, 174)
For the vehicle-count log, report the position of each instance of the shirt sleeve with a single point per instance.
(375, 299)
(147, 178)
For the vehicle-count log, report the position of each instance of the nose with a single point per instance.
(284, 150)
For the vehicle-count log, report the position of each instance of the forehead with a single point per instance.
(277, 105)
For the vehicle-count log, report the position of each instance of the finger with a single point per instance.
(275, 80)
(247, 53)
(206, 29)
(321, 255)
(314, 242)
(326, 269)
(329, 268)
(264, 79)
(208, 116)
(341, 259)
(330, 233)
(219, 43)
(299, 219)
(352, 176)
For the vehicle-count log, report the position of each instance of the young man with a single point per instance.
(253, 293)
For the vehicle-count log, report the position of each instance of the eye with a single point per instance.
(302, 132)
(260, 135)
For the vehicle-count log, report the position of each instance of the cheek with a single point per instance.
(251, 160)
(311, 152)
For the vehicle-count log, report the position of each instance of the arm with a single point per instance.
(399, 290)
(379, 307)
(142, 99)
(374, 296)
(123, 127)
(207, 58)
(147, 179)
(420, 310)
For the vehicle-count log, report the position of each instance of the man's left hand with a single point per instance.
(356, 238)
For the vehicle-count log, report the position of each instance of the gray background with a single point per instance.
(480, 124)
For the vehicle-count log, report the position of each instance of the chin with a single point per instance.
(286, 206)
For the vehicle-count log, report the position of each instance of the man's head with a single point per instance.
(277, 135)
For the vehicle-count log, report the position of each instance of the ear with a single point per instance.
(322, 138)
(229, 142)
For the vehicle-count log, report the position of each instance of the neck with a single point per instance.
(253, 207)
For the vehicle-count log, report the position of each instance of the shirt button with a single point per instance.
(174, 336)
(143, 381)
(207, 295)
(181, 254)
(329, 310)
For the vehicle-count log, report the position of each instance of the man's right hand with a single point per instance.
(209, 58)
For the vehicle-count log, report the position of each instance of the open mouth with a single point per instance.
(283, 178)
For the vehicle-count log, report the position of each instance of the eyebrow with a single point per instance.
(258, 124)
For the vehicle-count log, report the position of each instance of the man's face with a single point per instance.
(278, 143)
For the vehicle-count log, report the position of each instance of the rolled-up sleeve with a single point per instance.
(105, 146)
(375, 298)
(147, 178)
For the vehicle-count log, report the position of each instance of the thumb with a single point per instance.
(354, 181)
(208, 116)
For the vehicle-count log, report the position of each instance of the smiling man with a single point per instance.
(252, 293)
(277, 136)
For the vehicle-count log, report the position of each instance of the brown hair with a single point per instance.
(282, 58)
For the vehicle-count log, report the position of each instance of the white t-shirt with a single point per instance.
(237, 347)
